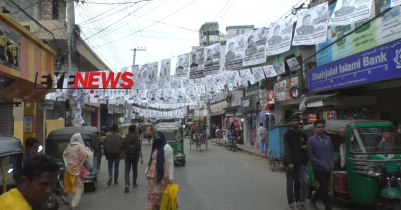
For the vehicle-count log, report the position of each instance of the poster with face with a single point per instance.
(212, 59)
(279, 36)
(258, 74)
(200, 81)
(234, 79)
(280, 68)
(132, 94)
(224, 77)
(153, 75)
(235, 52)
(176, 83)
(165, 78)
(135, 72)
(350, 11)
(270, 97)
(197, 65)
(188, 83)
(143, 77)
(293, 64)
(311, 26)
(255, 47)
(182, 67)
(246, 75)
(152, 96)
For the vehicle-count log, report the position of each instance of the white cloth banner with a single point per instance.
(182, 67)
(165, 78)
(212, 59)
(311, 26)
(255, 47)
(235, 52)
(197, 65)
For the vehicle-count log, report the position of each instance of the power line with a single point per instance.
(153, 23)
(221, 10)
(226, 10)
(84, 22)
(135, 2)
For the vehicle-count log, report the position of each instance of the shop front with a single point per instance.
(217, 112)
(250, 111)
(23, 56)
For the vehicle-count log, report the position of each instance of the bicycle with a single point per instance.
(230, 144)
(199, 141)
(60, 190)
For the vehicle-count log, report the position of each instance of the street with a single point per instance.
(213, 179)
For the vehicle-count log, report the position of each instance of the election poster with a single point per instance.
(280, 68)
(153, 75)
(395, 3)
(176, 83)
(255, 47)
(258, 74)
(188, 83)
(279, 36)
(197, 65)
(293, 64)
(143, 77)
(234, 80)
(269, 71)
(235, 52)
(165, 78)
(350, 11)
(311, 26)
(246, 76)
(135, 72)
(212, 59)
(182, 67)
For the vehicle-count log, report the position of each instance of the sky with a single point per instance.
(112, 30)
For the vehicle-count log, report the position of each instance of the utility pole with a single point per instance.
(72, 48)
(136, 49)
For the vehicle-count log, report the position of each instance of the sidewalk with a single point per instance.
(243, 148)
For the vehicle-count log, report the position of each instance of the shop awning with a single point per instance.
(317, 100)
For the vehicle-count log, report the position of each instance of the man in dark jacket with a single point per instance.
(320, 152)
(131, 149)
(112, 151)
(296, 158)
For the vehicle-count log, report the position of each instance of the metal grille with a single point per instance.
(6, 120)
(170, 136)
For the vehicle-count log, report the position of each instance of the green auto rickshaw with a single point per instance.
(11, 154)
(370, 172)
(175, 138)
(58, 140)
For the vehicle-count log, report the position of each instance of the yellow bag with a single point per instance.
(169, 199)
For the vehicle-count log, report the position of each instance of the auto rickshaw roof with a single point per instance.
(336, 126)
(168, 125)
(87, 132)
(125, 125)
(10, 145)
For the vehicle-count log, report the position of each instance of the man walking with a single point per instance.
(262, 133)
(131, 148)
(112, 151)
(296, 158)
(320, 152)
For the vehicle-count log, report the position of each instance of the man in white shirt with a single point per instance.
(262, 134)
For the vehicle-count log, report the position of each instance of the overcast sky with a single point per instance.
(114, 43)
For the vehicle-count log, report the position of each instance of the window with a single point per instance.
(237, 32)
(374, 140)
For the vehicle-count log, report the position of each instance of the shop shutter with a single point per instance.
(6, 119)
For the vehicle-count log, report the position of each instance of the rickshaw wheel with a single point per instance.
(183, 162)
(272, 161)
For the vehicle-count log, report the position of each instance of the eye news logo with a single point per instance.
(88, 80)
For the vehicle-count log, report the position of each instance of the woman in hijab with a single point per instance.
(76, 156)
(160, 170)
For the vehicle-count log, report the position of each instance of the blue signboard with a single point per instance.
(380, 63)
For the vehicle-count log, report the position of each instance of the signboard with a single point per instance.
(46, 105)
(382, 30)
(28, 124)
(380, 63)
(248, 104)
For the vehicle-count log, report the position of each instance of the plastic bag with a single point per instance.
(169, 199)
(84, 173)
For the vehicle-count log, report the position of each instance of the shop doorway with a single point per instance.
(252, 127)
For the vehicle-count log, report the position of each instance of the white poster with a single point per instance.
(255, 47)
(293, 64)
(269, 71)
(279, 36)
(224, 77)
(143, 77)
(182, 67)
(350, 11)
(246, 76)
(176, 83)
(395, 3)
(212, 59)
(280, 68)
(187, 82)
(197, 65)
(258, 74)
(135, 72)
(311, 26)
(234, 80)
(153, 75)
(200, 81)
(165, 78)
(279, 90)
(235, 52)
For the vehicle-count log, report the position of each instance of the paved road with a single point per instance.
(211, 180)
